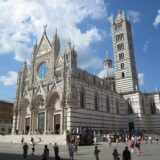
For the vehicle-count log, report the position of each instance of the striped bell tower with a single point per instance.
(125, 67)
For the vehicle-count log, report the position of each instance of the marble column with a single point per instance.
(45, 122)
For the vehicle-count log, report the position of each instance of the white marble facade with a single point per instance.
(54, 95)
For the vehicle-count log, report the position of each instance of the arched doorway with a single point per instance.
(131, 126)
(54, 113)
(24, 119)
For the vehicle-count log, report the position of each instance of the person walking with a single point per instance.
(25, 151)
(45, 153)
(22, 140)
(96, 152)
(132, 144)
(56, 151)
(126, 154)
(71, 149)
(115, 154)
(137, 145)
(33, 148)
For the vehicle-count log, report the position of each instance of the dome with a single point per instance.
(107, 71)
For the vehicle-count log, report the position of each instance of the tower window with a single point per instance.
(121, 56)
(117, 106)
(118, 26)
(122, 65)
(107, 104)
(96, 101)
(120, 46)
(122, 74)
(82, 97)
(119, 37)
(153, 107)
(143, 107)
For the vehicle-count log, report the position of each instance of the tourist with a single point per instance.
(146, 139)
(22, 140)
(96, 152)
(157, 139)
(137, 145)
(33, 148)
(25, 150)
(150, 139)
(110, 141)
(71, 149)
(32, 139)
(56, 151)
(45, 153)
(126, 154)
(132, 144)
(115, 154)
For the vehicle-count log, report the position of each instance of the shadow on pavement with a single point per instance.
(8, 156)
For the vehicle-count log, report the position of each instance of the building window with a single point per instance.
(82, 98)
(122, 74)
(120, 46)
(121, 56)
(119, 37)
(107, 104)
(153, 107)
(117, 106)
(96, 101)
(118, 26)
(130, 109)
(143, 107)
(122, 65)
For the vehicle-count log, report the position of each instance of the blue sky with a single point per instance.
(86, 24)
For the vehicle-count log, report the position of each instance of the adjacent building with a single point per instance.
(54, 95)
(6, 116)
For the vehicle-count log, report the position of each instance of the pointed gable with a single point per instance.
(59, 61)
(44, 46)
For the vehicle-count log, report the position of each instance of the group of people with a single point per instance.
(126, 155)
(45, 154)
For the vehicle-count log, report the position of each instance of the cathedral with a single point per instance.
(53, 95)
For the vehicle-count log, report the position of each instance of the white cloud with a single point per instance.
(157, 19)
(146, 44)
(141, 78)
(134, 16)
(9, 79)
(21, 22)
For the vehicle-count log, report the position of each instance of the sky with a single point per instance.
(86, 24)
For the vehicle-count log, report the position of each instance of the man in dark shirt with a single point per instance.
(126, 154)
(56, 151)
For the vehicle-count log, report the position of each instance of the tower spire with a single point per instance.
(45, 26)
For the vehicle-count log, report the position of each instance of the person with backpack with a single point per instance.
(126, 154)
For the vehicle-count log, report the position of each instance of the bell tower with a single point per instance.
(125, 67)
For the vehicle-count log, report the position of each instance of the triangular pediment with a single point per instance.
(59, 61)
(27, 94)
(44, 46)
(40, 90)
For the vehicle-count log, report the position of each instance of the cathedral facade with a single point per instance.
(53, 95)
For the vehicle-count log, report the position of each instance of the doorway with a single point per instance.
(131, 126)
(57, 126)
(27, 126)
(41, 120)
